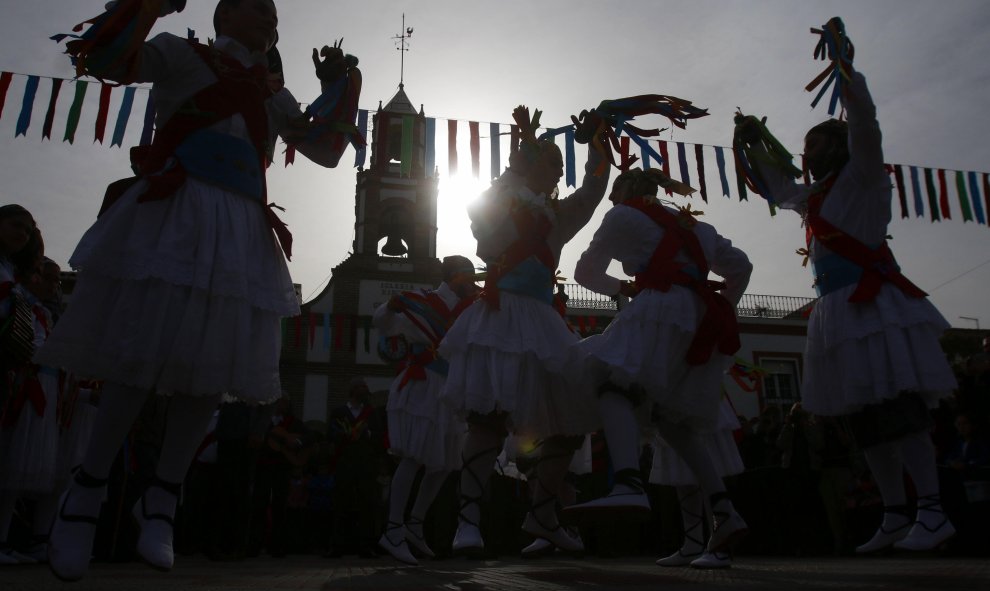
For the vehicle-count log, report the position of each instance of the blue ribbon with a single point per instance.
(682, 162)
(24, 120)
(361, 152)
(645, 149)
(122, 116)
(149, 121)
(919, 202)
(974, 194)
(431, 146)
(720, 161)
(571, 168)
(494, 149)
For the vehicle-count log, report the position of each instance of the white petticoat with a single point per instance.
(670, 469)
(646, 344)
(512, 360)
(859, 354)
(421, 427)
(29, 447)
(181, 295)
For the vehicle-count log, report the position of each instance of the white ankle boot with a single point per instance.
(893, 528)
(931, 527)
(396, 544)
(416, 539)
(70, 544)
(155, 514)
(729, 526)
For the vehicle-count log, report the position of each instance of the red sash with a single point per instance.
(532, 229)
(718, 328)
(415, 364)
(878, 265)
(238, 90)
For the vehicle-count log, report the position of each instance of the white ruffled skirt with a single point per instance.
(670, 469)
(182, 295)
(421, 427)
(860, 354)
(29, 447)
(646, 344)
(513, 360)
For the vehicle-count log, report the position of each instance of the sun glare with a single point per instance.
(453, 225)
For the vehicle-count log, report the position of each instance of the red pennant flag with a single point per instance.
(592, 323)
(46, 130)
(475, 148)
(101, 115)
(899, 184)
(943, 195)
(290, 155)
(5, 79)
(451, 147)
(624, 152)
(700, 157)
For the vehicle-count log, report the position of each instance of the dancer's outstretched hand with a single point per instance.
(332, 66)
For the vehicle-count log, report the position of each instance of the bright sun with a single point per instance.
(453, 225)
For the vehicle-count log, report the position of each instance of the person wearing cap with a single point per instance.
(508, 351)
(423, 432)
(662, 357)
(873, 352)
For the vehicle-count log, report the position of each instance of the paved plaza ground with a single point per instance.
(893, 572)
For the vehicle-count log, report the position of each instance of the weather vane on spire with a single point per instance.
(402, 46)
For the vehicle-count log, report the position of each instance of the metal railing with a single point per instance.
(750, 306)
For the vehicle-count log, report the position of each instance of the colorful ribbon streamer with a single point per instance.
(834, 45)
(122, 116)
(27, 105)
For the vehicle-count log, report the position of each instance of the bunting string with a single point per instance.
(921, 190)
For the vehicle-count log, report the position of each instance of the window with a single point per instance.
(781, 386)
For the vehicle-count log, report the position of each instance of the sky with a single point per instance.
(925, 63)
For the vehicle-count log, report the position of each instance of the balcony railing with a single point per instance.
(751, 305)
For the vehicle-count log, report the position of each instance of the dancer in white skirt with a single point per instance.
(182, 284)
(28, 429)
(422, 430)
(507, 352)
(670, 469)
(666, 352)
(872, 352)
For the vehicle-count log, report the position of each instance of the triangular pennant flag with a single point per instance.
(624, 152)
(73, 120)
(986, 192)
(682, 163)
(570, 165)
(46, 130)
(101, 114)
(27, 105)
(495, 161)
(932, 196)
(406, 151)
(720, 162)
(699, 157)
(5, 79)
(665, 165)
(361, 151)
(475, 149)
(431, 146)
(974, 195)
(451, 147)
(148, 125)
(290, 155)
(122, 116)
(899, 184)
(963, 197)
(919, 203)
(943, 195)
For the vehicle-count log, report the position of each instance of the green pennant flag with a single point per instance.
(963, 197)
(77, 102)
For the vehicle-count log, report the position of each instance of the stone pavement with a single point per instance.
(893, 572)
